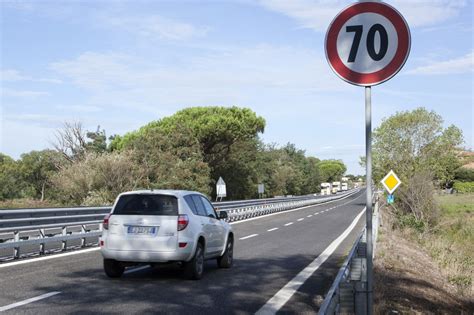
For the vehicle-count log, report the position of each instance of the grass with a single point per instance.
(451, 241)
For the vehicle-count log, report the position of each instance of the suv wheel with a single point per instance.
(225, 261)
(194, 268)
(113, 268)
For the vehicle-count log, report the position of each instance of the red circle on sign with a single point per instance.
(374, 78)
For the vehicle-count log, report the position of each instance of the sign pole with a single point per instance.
(368, 180)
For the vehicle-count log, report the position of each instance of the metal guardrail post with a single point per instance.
(64, 242)
(16, 249)
(83, 240)
(42, 245)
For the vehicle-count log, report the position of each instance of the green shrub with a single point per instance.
(464, 174)
(464, 187)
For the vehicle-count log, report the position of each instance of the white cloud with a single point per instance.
(229, 76)
(4, 92)
(318, 14)
(464, 64)
(153, 26)
(80, 108)
(11, 75)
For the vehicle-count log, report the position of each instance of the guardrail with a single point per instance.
(24, 232)
(348, 293)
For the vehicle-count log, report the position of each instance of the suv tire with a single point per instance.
(194, 268)
(113, 268)
(226, 260)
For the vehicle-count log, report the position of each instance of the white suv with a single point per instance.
(161, 226)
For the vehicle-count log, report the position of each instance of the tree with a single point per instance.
(170, 160)
(98, 141)
(216, 128)
(37, 168)
(220, 132)
(413, 141)
(331, 170)
(97, 179)
(72, 141)
(11, 183)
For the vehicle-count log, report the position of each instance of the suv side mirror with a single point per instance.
(223, 215)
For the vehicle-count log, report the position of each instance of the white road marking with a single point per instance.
(28, 301)
(249, 236)
(136, 269)
(274, 304)
(297, 209)
(301, 219)
(290, 223)
(309, 216)
(274, 229)
(21, 262)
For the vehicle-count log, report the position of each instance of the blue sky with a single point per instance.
(122, 64)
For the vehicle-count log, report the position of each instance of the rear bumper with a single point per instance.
(180, 254)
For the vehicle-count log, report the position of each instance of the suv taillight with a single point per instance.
(105, 223)
(183, 221)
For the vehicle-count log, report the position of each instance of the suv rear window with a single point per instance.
(142, 204)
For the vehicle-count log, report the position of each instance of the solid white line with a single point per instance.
(309, 216)
(28, 301)
(300, 219)
(281, 297)
(274, 229)
(290, 223)
(249, 236)
(136, 269)
(53, 256)
(297, 209)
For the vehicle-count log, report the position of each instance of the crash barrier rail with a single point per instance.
(25, 232)
(348, 292)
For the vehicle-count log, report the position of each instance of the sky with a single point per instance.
(122, 64)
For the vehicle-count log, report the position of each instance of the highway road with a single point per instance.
(279, 266)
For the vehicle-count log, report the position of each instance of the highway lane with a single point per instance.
(269, 252)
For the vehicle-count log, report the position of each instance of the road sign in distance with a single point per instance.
(367, 43)
(221, 188)
(391, 182)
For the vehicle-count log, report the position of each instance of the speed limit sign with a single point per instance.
(367, 43)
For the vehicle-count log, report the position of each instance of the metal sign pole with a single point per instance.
(368, 180)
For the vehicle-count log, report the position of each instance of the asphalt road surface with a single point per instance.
(270, 251)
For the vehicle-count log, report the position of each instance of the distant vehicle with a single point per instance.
(163, 226)
(344, 187)
(336, 187)
(325, 189)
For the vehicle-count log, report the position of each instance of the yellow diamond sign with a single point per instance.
(391, 182)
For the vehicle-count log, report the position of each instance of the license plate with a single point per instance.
(142, 230)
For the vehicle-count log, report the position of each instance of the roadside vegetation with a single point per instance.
(432, 217)
(188, 150)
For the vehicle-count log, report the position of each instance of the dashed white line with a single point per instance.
(290, 223)
(248, 236)
(309, 216)
(272, 229)
(301, 219)
(284, 295)
(28, 301)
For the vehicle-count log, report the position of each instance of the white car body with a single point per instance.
(143, 227)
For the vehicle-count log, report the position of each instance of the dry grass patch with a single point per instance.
(408, 280)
